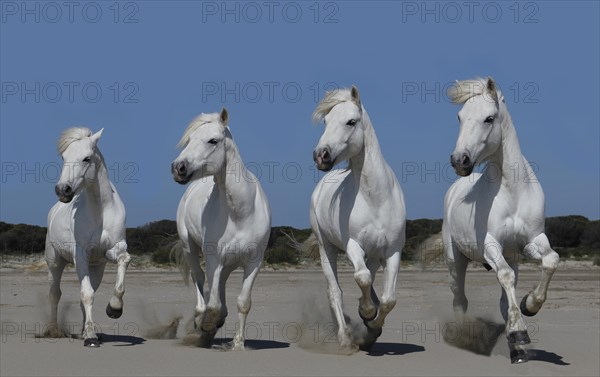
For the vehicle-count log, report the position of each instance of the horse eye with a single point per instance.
(213, 141)
(87, 159)
(351, 122)
(489, 119)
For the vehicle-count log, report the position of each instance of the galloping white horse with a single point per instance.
(86, 227)
(491, 216)
(359, 209)
(223, 215)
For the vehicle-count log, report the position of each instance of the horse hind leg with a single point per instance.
(118, 254)
(540, 249)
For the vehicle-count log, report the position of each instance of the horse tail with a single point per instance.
(431, 250)
(308, 248)
(178, 256)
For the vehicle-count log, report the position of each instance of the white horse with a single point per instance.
(86, 227)
(492, 216)
(224, 215)
(359, 209)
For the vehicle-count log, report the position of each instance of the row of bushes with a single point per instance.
(570, 236)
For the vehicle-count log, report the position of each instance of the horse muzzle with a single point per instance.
(462, 164)
(180, 172)
(323, 159)
(64, 192)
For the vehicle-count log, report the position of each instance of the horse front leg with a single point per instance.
(329, 264)
(540, 249)
(56, 266)
(244, 303)
(362, 276)
(90, 339)
(388, 298)
(457, 264)
(212, 313)
(118, 254)
(515, 326)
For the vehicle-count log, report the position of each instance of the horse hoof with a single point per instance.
(221, 323)
(523, 307)
(206, 338)
(91, 342)
(518, 357)
(519, 337)
(113, 313)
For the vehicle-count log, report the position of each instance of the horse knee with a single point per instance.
(87, 295)
(551, 260)
(506, 276)
(363, 278)
(244, 305)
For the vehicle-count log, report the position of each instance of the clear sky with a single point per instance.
(144, 69)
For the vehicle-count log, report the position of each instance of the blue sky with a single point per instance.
(144, 69)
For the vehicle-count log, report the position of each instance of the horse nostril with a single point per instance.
(326, 156)
(68, 190)
(181, 168)
(466, 160)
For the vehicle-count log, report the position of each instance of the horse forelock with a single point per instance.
(196, 123)
(464, 90)
(331, 99)
(71, 135)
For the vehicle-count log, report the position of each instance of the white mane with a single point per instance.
(71, 135)
(331, 99)
(464, 90)
(196, 123)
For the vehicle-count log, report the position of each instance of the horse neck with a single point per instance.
(235, 184)
(508, 159)
(370, 171)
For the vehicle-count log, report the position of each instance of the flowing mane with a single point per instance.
(196, 123)
(331, 99)
(464, 90)
(71, 135)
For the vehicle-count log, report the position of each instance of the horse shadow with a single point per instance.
(548, 357)
(394, 349)
(128, 340)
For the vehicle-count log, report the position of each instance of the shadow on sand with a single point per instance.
(548, 357)
(395, 349)
(127, 339)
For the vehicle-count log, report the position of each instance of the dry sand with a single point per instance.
(290, 331)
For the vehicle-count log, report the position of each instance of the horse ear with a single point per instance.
(490, 87)
(224, 117)
(355, 96)
(95, 137)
